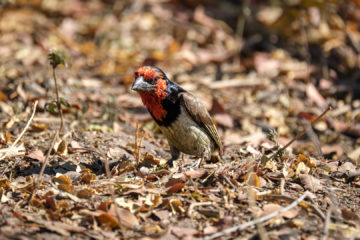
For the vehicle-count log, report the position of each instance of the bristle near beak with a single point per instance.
(141, 85)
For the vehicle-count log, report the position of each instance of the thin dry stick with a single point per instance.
(230, 183)
(58, 102)
(252, 204)
(287, 198)
(47, 158)
(23, 131)
(302, 132)
(196, 204)
(138, 144)
(259, 220)
(282, 186)
(327, 223)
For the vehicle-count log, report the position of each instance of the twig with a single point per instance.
(287, 198)
(197, 204)
(259, 220)
(347, 175)
(282, 186)
(230, 183)
(301, 133)
(137, 143)
(208, 176)
(23, 131)
(252, 204)
(327, 223)
(314, 139)
(56, 136)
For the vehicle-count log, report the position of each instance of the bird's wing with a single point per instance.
(200, 115)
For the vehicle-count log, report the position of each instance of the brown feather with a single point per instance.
(201, 116)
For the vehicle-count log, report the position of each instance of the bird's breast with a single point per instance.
(187, 136)
(154, 105)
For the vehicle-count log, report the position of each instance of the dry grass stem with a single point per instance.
(259, 220)
(58, 103)
(10, 149)
(327, 223)
(139, 137)
(302, 132)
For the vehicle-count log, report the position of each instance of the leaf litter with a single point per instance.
(269, 77)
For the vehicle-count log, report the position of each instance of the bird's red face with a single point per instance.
(150, 83)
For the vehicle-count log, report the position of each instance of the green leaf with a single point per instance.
(52, 107)
(56, 58)
(65, 103)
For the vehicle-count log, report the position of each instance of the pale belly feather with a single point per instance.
(187, 136)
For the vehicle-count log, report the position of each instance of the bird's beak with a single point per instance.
(141, 85)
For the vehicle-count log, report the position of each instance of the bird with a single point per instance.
(182, 118)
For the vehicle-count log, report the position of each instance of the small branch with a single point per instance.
(302, 132)
(23, 131)
(259, 220)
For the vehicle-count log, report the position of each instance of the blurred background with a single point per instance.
(258, 65)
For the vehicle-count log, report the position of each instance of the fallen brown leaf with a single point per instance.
(311, 183)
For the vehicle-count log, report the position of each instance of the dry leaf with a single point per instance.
(66, 188)
(355, 155)
(107, 221)
(183, 232)
(85, 193)
(347, 166)
(61, 148)
(176, 188)
(301, 168)
(62, 179)
(314, 95)
(308, 162)
(87, 178)
(37, 155)
(38, 127)
(150, 160)
(127, 219)
(252, 180)
(311, 183)
(4, 183)
(50, 203)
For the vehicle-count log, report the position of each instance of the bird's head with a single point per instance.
(152, 85)
(149, 79)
